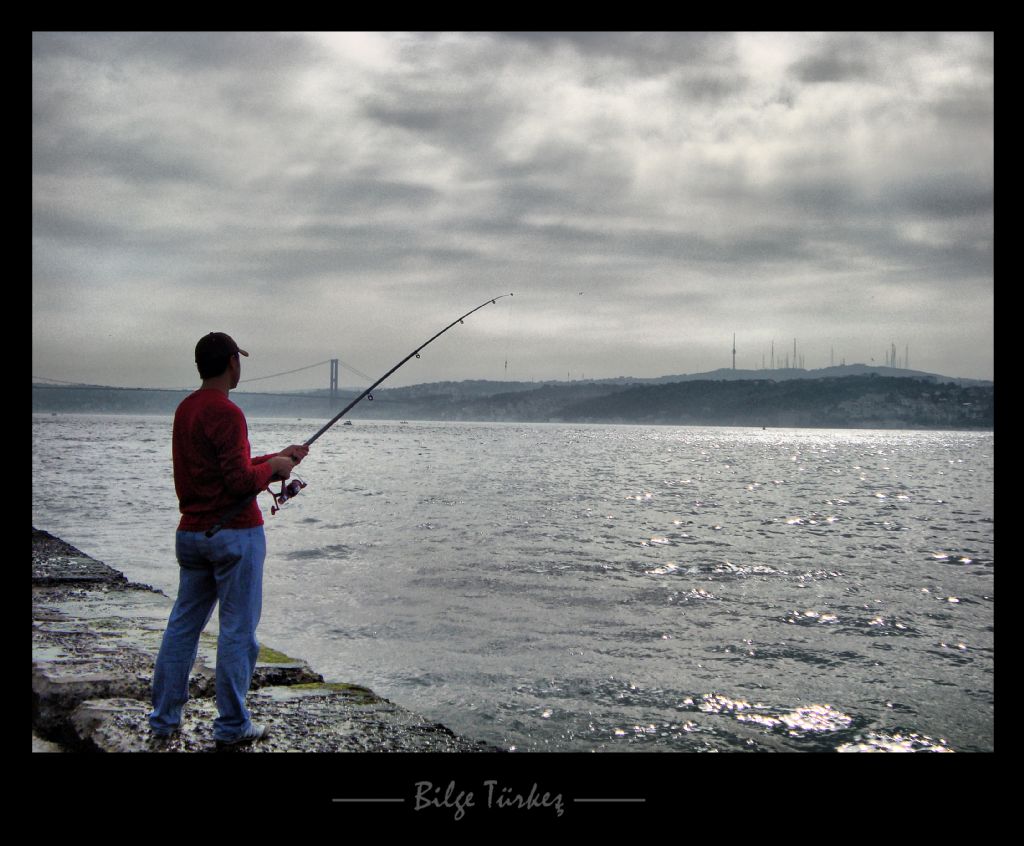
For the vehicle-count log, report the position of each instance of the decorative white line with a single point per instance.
(402, 801)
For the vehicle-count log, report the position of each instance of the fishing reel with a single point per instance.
(289, 490)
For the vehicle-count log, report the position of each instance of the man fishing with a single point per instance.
(213, 473)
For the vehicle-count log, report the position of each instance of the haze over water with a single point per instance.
(615, 588)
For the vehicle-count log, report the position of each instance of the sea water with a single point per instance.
(560, 587)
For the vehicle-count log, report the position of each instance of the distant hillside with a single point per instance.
(851, 401)
(859, 401)
(784, 374)
(482, 387)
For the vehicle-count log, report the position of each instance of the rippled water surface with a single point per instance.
(620, 588)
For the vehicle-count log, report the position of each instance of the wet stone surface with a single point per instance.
(309, 720)
(57, 562)
(95, 637)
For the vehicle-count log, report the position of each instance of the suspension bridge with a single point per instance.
(332, 388)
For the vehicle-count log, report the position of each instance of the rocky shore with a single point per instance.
(95, 637)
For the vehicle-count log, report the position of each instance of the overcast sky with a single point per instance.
(644, 195)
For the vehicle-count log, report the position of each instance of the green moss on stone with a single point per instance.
(266, 654)
(272, 656)
(354, 690)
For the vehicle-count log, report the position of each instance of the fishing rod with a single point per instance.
(292, 489)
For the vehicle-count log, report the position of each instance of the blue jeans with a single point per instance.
(227, 567)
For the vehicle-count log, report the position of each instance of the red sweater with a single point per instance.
(213, 467)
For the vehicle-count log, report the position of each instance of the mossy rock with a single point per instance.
(354, 691)
(272, 656)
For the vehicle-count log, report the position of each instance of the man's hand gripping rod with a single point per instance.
(236, 509)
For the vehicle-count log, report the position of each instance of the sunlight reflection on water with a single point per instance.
(574, 587)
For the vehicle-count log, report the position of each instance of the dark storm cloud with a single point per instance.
(832, 67)
(149, 158)
(62, 226)
(642, 52)
(358, 194)
(701, 66)
(944, 198)
(184, 52)
(342, 251)
(936, 197)
(857, 56)
(460, 117)
(966, 107)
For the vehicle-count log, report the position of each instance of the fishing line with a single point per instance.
(288, 492)
(508, 337)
